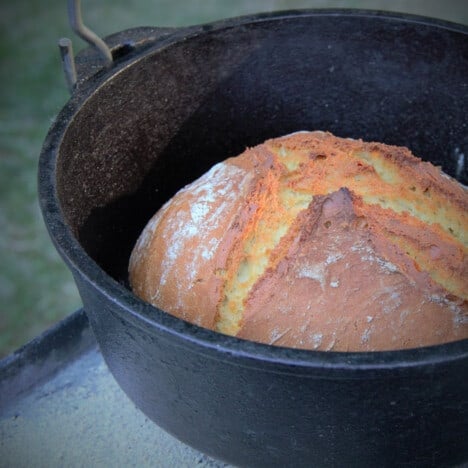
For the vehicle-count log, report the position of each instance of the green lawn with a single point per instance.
(36, 289)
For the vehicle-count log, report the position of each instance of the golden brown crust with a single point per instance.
(316, 242)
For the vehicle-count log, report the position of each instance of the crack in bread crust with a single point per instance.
(401, 189)
(273, 206)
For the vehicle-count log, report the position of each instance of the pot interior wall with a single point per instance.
(164, 120)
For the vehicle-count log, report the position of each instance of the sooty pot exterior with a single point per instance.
(175, 103)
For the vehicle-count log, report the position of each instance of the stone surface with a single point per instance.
(81, 417)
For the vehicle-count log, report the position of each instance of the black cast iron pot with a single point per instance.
(173, 103)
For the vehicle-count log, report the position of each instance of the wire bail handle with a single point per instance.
(65, 44)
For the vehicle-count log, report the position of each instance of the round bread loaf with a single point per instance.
(317, 242)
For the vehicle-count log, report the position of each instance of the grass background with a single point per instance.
(36, 289)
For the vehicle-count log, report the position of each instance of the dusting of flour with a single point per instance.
(213, 194)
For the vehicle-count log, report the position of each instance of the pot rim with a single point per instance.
(148, 317)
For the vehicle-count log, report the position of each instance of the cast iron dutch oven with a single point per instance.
(173, 103)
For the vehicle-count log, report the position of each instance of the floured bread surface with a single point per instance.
(317, 242)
